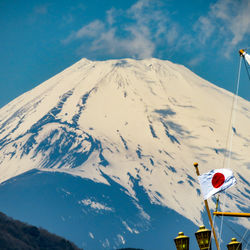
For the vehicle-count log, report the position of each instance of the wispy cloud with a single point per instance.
(196, 60)
(111, 16)
(204, 29)
(93, 29)
(38, 11)
(138, 37)
(67, 19)
(41, 9)
(147, 29)
(228, 21)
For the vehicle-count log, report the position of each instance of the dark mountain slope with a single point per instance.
(18, 235)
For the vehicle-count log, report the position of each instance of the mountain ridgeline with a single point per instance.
(112, 144)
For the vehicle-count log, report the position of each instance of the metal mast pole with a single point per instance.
(208, 211)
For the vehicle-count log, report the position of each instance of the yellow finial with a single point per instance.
(196, 168)
(242, 52)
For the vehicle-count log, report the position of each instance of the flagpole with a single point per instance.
(208, 211)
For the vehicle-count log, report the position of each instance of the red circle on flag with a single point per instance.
(218, 180)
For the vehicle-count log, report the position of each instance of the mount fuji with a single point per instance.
(102, 153)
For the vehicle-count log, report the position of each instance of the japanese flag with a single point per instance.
(216, 181)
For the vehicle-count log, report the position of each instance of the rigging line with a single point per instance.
(246, 245)
(232, 114)
(230, 140)
(240, 236)
(244, 236)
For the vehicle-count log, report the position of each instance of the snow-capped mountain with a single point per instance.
(130, 129)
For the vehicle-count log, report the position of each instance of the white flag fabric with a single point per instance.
(216, 181)
(247, 57)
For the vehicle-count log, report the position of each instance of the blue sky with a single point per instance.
(40, 38)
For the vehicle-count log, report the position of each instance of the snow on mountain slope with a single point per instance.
(148, 119)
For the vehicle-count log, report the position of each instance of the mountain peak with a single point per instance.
(147, 119)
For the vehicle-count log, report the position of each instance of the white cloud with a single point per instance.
(111, 15)
(241, 24)
(41, 9)
(228, 21)
(93, 29)
(138, 38)
(147, 29)
(196, 60)
(140, 44)
(205, 28)
(38, 11)
(150, 19)
(67, 19)
(172, 34)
